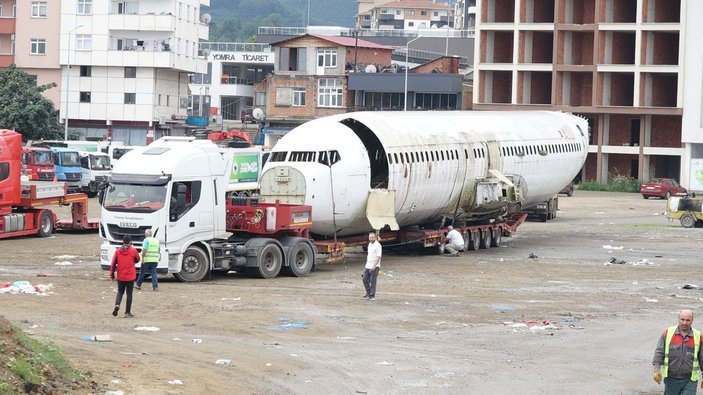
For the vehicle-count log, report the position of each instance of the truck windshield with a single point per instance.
(134, 197)
(42, 159)
(99, 162)
(70, 159)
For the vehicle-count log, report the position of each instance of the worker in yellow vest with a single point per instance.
(677, 358)
(150, 260)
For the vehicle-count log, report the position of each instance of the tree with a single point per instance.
(24, 109)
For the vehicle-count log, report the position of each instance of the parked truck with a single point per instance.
(96, 169)
(177, 188)
(38, 163)
(544, 211)
(25, 206)
(67, 166)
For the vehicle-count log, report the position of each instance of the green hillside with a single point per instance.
(238, 20)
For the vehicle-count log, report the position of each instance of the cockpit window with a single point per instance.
(302, 156)
(328, 158)
(278, 156)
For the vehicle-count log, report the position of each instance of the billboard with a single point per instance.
(245, 168)
(696, 175)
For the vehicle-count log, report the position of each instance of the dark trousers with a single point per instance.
(674, 386)
(369, 278)
(123, 286)
(150, 269)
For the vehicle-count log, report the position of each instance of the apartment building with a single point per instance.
(408, 14)
(125, 65)
(619, 63)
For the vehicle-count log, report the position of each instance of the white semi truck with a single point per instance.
(178, 187)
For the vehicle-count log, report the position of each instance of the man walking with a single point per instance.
(455, 242)
(373, 266)
(122, 267)
(677, 358)
(150, 259)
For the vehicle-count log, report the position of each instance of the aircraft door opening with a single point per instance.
(378, 160)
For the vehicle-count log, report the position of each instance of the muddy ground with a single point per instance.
(491, 321)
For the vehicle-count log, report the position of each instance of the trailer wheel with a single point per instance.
(467, 240)
(270, 261)
(497, 237)
(46, 224)
(301, 259)
(475, 243)
(194, 267)
(688, 221)
(485, 239)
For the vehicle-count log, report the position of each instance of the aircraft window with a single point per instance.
(425, 156)
(401, 158)
(417, 159)
(442, 152)
(456, 154)
(334, 157)
(466, 153)
(279, 156)
(432, 155)
(396, 158)
(390, 158)
(407, 159)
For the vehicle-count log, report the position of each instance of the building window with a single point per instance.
(32, 79)
(299, 97)
(85, 97)
(423, 12)
(85, 71)
(384, 10)
(327, 58)
(159, 101)
(330, 92)
(84, 42)
(411, 24)
(411, 12)
(260, 99)
(39, 9)
(367, 17)
(37, 46)
(397, 12)
(85, 7)
(436, 13)
(130, 98)
(130, 72)
(128, 7)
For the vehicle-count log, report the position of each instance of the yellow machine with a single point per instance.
(686, 209)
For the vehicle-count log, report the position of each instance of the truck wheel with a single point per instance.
(194, 267)
(301, 259)
(46, 224)
(270, 261)
(497, 237)
(475, 242)
(688, 221)
(485, 238)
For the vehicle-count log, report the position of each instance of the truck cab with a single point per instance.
(38, 163)
(96, 170)
(67, 166)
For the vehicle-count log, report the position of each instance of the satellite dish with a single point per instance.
(205, 52)
(206, 18)
(258, 114)
(370, 69)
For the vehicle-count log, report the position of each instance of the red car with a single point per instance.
(662, 188)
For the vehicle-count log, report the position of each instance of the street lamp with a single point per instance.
(407, 50)
(68, 79)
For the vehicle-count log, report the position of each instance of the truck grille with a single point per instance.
(45, 176)
(117, 233)
(73, 176)
(99, 179)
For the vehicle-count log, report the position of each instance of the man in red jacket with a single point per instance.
(123, 262)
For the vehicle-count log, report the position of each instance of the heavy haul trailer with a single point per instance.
(24, 206)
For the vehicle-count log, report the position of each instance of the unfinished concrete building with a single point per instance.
(616, 62)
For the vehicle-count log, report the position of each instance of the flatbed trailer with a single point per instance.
(247, 218)
(25, 205)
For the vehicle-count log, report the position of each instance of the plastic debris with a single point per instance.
(175, 382)
(197, 341)
(115, 381)
(147, 329)
(63, 263)
(651, 300)
(289, 324)
(690, 286)
(96, 338)
(533, 256)
(502, 309)
(25, 287)
(233, 299)
(223, 362)
(268, 364)
(114, 393)
(385, 363)
(609, 247)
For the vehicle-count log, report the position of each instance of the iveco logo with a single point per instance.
(128, 225)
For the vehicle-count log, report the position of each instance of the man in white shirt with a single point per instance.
(455, 242)
(373, 266)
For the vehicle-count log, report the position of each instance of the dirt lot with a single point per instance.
(438, 325)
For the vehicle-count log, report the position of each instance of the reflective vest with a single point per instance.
(152, 251)
(697, 345)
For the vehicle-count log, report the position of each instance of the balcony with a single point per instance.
(142, 22)
(159, 59)
(7, 25)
